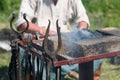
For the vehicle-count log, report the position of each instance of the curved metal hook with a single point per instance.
(11, 20)
(52, 55)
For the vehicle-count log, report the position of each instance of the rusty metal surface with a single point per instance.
(21, 44)
(87, 47)
(83, 48)
(86, 59)
(111, 31)
(64, 59)
(100, 45)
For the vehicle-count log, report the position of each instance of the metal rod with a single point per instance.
(58, 73)
(19, 67)
(48, 65)
(41, 68)
(86, 59)
(86, 71)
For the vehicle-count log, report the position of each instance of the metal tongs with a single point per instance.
(52, 54)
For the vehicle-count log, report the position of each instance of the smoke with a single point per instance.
(5, 36)
(69, 39)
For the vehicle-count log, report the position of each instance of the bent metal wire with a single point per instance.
(46, 57)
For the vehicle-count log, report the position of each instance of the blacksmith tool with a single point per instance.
(19, 33)
(48, 53)
(15, 65)
(51, 55)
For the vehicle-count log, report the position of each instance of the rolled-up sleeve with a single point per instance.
(27, 7)
(80, 12)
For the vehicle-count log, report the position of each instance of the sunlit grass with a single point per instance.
(110, 71)
(4, 62)
(4, 59)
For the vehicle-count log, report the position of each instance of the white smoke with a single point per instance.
(5, 36)
(5, 45)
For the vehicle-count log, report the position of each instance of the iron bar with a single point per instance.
(58, 73)
(86, 59)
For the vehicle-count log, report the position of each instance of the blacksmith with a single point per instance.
(66, 11)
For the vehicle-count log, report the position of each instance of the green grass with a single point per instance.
(4, 62)
(4, 59)
(103, 13)
(109, 71)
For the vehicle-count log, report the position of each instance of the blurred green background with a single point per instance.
(102, 13)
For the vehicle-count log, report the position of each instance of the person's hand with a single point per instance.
(82, 25)
(83, 28)
(42, 31)
(52, 32)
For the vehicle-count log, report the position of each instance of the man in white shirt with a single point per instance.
(42, 10)
(39, 11)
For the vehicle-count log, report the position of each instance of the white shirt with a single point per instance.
(42, 10)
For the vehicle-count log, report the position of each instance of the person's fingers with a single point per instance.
(42, 30)
(83, 28)
(52, 33)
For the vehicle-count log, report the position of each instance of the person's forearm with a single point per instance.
(82, 25)
(32, 28)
